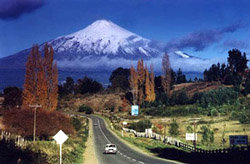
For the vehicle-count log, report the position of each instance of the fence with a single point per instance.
(17, 139)
(184, 146)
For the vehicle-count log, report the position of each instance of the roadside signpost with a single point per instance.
(191, 136)
(135, 110)
(60, 138)
(123, 124)
(238, 140)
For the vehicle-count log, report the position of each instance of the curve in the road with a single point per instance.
(125, 155)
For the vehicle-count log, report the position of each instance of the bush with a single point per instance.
(76, 123)
(141, 125)
(243, 118)
(85, 108)
(207, 135)
(234, 115)
(174, 129)
(214, 112)
(20, 121)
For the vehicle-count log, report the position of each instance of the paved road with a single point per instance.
(125, 155)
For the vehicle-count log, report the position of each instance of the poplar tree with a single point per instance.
(152, 83)
(166, 77)
(147, 86)
(41, 79)
(133, 81)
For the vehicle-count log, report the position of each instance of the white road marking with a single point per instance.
(99, 125)
(102, 131)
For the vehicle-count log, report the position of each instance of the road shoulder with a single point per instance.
(89, 154)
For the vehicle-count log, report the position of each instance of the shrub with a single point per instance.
(141, 125)
(76, 123)
(243, 118)
(214, 112)
(207, 135)
(189, 129)
(20, 121)
(174, 128)
(12, 97)
(234, 115)
(85, 108)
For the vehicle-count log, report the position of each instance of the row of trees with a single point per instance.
(142, 83)
(41, 79)
(83, 86)
(233, 73)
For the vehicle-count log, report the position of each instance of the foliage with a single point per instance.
(218, 97)
(12, 97)
(73, 148)
(243, 118)
(179, 98)
(180, 77)
(189, 129)
(207, 135)
(41, 79)
(47, 123)
(174, 129)
(166, 77)
(142, 83)
(141, 125)
(119, 79)
(67, 87)
(85, 108)
(247, 85)
(76, 123)
(214, 112)
(230, 74)
(88, 85)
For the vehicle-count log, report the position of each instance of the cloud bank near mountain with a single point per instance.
(200, 40)
(187, 65)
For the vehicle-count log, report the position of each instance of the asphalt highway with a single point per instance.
(125, 154)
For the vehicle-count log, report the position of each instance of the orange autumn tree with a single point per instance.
(152, 84)
(133, 81)
(41, 79)
(147, 86)
(142, 83)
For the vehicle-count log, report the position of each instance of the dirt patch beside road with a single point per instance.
(89, 154)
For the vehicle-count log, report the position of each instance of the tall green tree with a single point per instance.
(119, 79)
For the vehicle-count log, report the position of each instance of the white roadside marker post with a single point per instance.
(60, 138)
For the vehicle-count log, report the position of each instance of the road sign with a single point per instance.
(134, 110)
(60, 138)
(238, 140)
(191, 137)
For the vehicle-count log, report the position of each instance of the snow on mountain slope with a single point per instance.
(105, 38)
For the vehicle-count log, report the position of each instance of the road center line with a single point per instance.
(102, 131)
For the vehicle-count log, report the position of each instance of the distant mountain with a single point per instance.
(101, 46)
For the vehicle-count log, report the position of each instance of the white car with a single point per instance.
(110, 148)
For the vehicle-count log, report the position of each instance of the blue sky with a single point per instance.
(206, 29)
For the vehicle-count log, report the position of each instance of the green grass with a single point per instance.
(72, 149)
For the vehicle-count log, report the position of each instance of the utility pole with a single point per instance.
(34, 129)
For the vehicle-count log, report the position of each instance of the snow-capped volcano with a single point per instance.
(104, 38)
(100, 47)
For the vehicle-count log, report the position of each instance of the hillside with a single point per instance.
(192, 88)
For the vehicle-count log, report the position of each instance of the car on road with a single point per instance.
(110, 148)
